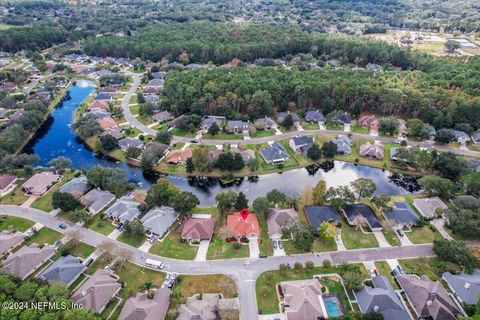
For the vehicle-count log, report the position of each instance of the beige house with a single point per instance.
(301, 299)
(373, 151)
(39, 183)
(26, 260)
(141, 307)
(428, 206)
(9, 240)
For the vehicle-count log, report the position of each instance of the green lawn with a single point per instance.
(44, 235)
(384, 269)
(220, 249)
(134, 276)
(82, 250)
(356, 239)
(44, 202)
(131, 132)
(391, 238)
(68, 216)
(103, 226)
(310, 126)
(332, 126)
(173, 247)
(16, 197)
(132, 240)
(262, 133)
(359, 129)
(118, 154)
(319, 245)
(134, 109)
(432, 267)
(223, 136)
(423, 235)
(264, 242)
(183, 133)
(15, 223)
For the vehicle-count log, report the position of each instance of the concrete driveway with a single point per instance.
(114, 234)
(253, 247)
(202, 250)
(382, 241)
(277, 252)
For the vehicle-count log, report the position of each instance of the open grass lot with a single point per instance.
(134, 276)
(15, 198)
(460, 237)
(332, 126)
(265, 286)
(15, 223)
(134, 241)
(319, 245)
(131, 132)
(100, 225)
(262, 133)
(182, 133)
(223, 136)
(384, 269)
(423, 235)
(432, 267)
(44, 235)
(173, 247)
(82, 250)
(220, 249)
(67, 216)
(356, 239)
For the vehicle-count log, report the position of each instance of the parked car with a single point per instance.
(89, 262)
(400, 269)
(119, 226)
(400, 232)
(274, 244)
(280, 244)
(57, 244)
(62, 226)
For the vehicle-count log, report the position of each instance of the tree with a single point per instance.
(472, 184)
(146, 110)
(339, 197)
(437, 186)
(87, 126)
(360, 221)
(276, 197)
(108, 143)
(388, 126)
(261, 205)
(200, 158)
(300, 233)
(74, 236)
(241, 202)
(253, 165)
(455, 252)
(107, 248)
(64, 201)
(363, 187)
(214, 129)
(226, 200)
(164, 137)
(451, 45)
(161, 193)
(288, 122)
(133, 152)
(60, 163)
(146, 286)
(329, 149)
(189, 166)
(314, 152)
(352, 279)
(124, 255)
(381, 201)
(450, 166)
(327, 230)
(81, 215)
(445, 136)
(389, 224)
(110, 179)
(238, 163)
(184, 202)
(319, 192)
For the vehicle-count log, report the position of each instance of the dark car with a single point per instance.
(193, 141)
(89, 262)
(62, 226)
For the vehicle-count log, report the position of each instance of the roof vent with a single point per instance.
(429, 302)
(376, 308)
(83, 293)
(467, 285)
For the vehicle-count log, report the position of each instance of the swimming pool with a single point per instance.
(333, 305)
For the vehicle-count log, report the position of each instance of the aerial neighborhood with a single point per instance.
(227, 160)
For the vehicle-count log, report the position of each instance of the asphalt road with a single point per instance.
(245, 271)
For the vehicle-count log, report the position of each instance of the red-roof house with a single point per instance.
(97, 105)
(239, 227)
(197, 229)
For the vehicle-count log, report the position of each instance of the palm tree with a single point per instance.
(146, 286)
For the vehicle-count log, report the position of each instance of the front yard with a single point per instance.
(319, 245)
(132, 240)
(424, 234)
(15, 223)
(100, 225)
(432, 267)
(173, 246)
(356, 239)
(15, 198)
(44, 235)
(220, 249)
(384, 269)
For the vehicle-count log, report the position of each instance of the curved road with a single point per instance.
(137, 78)
(245, 271)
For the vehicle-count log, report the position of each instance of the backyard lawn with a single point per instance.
(356, 239)
(100, 225)
(134, 241)
(15, 223)
(423, 235)
(432, 267)
(220, 249)
(44, 235)
(384, 269)
(173, 246)
(16, 197)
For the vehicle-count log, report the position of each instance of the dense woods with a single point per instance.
(31, 38)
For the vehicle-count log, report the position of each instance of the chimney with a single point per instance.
(376, 308)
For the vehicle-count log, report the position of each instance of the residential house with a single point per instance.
(162, 116)
(428, 206)
(247, 154)
(197, 229)
(402, 214)
(8, 86)
(152, 99)
(462, 137)
(207, 122)
(344, 144)
(104, 97)
(280, 116)
(108, 89)
(96, 200)
(382, 299)
(237, 126)
(101, 113)
(301, 143)
(274, 154)
(179, 156)
(214, 154)
(114, 132)
(158, 74)
(26, 260)
(97, 291)
(128, 142)
(141, 307)
(342, 118)
(98, 105)
(9, 240)
(369, 122)
(372, 151)
(314, 116)
(151, 91)
(466, 287)
(204, 307)
(77, 186)
(316, 215)
(39, 183)
(374, 67)
(159, 219)
(265, 123)
(360, 209)
(107, 123)
(155, 83)
(239, 227)
(7, 183)
(476, 137)
(301, 299)
(124, 209)
(428, 298)
(276, 218)
(65, 270)
(42, 96)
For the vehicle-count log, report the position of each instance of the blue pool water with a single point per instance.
(332, 304)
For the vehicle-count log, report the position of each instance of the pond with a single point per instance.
(56, 138)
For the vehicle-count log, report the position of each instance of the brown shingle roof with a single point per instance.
(26, 260)
(97, 291)
(142, 308)
(198, 228)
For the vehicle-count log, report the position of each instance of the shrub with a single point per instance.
(327, 263)
(309, 265)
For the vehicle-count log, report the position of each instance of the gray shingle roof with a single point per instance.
(276, 218)
(77, 186)
(141, 307)
(64, 270)
(318, 214)
(128, 142)
(95, 293)
(96, 200)
(402, 214)
(124, 209)
(159, 219)
(465, 286)
(356, 209)
(26, 260)
(274, 153)
(302, 141)
(315, 116)
(344, 144)
(9, 240)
